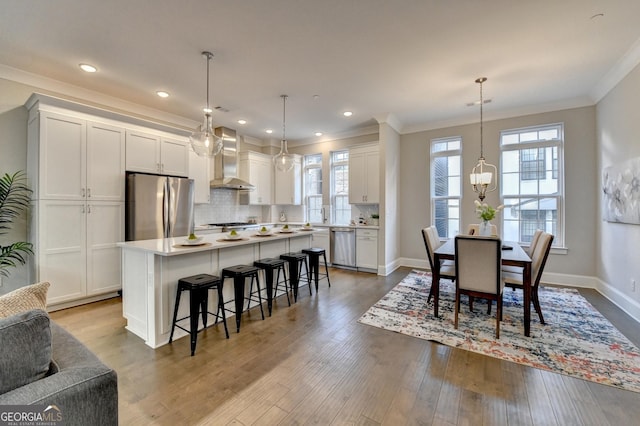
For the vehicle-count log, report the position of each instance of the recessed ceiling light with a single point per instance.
(347, 113)
(88, 68)
(318, 133)
(162, 94)
(269, 131)
(241, 121)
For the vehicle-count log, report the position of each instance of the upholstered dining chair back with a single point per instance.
(534, 241)
(431, 242)
(539, 256)
(474, 229)
(478, 271)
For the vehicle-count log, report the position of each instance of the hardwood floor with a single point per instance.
(312, 363)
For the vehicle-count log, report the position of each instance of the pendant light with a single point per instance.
(482, 173)
(203, 141)
(283, 160)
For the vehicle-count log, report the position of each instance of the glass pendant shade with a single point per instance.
(482, 173)
(283, 160)
(203, 142)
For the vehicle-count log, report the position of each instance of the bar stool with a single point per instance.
(270, 265)
(295, 261)
(239, 273)
(198, 287)
(314, 254)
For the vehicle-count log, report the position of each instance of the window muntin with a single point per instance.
(446, 181)
(341, 209)
(313, 187)
(531, 182)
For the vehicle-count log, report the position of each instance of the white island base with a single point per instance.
(151, 270)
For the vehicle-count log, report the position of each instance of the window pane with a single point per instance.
(530, 185)
(341, 208)
(447, 217)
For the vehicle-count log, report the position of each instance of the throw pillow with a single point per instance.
(33, 296)
(25, 352)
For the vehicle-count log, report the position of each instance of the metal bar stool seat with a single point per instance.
(269, 265)
(295, 261)
(239, 273)
(314, 254)
(198, 287)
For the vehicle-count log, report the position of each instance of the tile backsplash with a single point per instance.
(225, 207)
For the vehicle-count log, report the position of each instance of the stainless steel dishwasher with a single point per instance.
(343, 247)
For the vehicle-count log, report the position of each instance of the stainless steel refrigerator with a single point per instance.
(157, 206)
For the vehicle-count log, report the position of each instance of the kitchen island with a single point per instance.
(151, 270)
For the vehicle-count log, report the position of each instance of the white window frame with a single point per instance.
(344, 162)
(452, 200)
(557, 171)
(309, 197)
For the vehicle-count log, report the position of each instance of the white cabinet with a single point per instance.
(367, 249)
(257, 169)
(75, 159)
(364, 175)
(150, 153)
(201, 171)
(322, 240)
(76, 248)
(76, 164)
(288, 185)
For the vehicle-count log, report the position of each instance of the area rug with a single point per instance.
(576, 341)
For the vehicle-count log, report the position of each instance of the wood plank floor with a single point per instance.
(312, 363)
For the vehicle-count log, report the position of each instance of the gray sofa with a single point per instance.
(42, 364)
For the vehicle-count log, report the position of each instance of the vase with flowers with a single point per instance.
(486, 213)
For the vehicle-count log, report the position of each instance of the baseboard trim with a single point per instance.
(83, 301)
(621, 300)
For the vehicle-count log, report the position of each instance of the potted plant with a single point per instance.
(15, 197)
(375, 218)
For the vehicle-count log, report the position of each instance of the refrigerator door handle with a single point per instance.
(166, 214)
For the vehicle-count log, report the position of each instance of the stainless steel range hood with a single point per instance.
(226, 163)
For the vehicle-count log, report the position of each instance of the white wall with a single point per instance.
(578, 265)
(618, 134)
(389, 235)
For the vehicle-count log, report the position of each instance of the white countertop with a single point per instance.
(173, 247)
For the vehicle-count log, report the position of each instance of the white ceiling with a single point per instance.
(412, 62)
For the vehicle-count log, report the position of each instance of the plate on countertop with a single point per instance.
(307, 229)
(225, 240)
(266, 234)
(192, 241)
(286, 231)
(184, 245)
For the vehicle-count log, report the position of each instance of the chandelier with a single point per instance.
(482, 173)
(203, 141)
(283, 160)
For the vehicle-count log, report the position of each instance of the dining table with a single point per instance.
(512, 255)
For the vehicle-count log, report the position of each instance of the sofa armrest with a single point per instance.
(84, 389)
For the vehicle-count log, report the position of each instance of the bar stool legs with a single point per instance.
(269, 266)
(198, 287)
(239, 273)
(314, 254)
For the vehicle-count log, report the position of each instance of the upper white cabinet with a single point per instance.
(75, 159)
(288, 185)
(201, 171)
(150, 153)
(364, 175)
(257, 169)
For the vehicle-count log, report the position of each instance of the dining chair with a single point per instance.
(478, 272)
(529, 251)
(431, 243)
(538, 261)
(474, 229)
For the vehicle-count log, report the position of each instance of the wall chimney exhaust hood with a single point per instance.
(225, 172)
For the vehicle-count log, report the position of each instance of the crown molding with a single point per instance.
(619, 71)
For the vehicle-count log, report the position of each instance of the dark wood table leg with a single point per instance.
(435, 283)
(238, 289)
(526, 285)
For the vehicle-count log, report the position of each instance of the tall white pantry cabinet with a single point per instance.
(76, 170)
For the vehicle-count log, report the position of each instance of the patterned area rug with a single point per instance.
(576, 341)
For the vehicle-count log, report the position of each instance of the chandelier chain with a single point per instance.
(284, 115)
